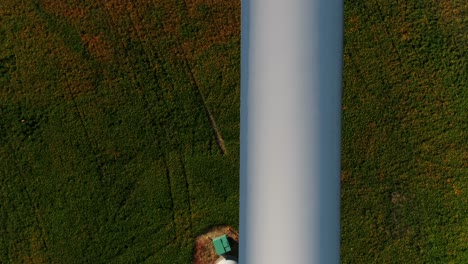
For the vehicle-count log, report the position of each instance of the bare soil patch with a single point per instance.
(205, 253)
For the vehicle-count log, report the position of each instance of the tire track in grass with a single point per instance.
(181, 190)
(392, 38)
(92, 143)
(180, 152)
(209, 115)
(389, 36)
(171, 183)
(136, 82)
(217, 135)
(129, 189)
(149, 54)
(187, 187)
(218, 29)
(94, 146)
(198, 94)
(194, 83)
(191, 79)
(169, 186)
(53, 24)
(182, 163)
(38, 219)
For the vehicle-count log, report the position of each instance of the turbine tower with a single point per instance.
(291, 62)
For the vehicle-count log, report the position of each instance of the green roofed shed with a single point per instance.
(221, 245)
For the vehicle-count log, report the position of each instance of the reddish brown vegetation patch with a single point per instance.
(345, 175)
(348, 178)
(457, 190)
(451, 12)
(405, 31)
(116, 8)
(353, 24)
(76, 75)
(204, 250)
(75, 87)
(221, 24)
(36, 250)
(162, 22)
(172, 19)
(60, 9)
(97, 47)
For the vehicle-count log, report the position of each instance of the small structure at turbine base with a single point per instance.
(204, 250)
(221, 245)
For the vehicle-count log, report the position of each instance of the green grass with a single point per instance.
(106, 146)
(107, 154)
(405, 107)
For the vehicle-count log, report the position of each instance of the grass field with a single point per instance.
(405, 132)
(119, 129)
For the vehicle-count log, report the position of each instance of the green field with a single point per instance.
(119, 129)
(405, 132)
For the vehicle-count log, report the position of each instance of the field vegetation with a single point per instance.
(119, 129)
(405, 132)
